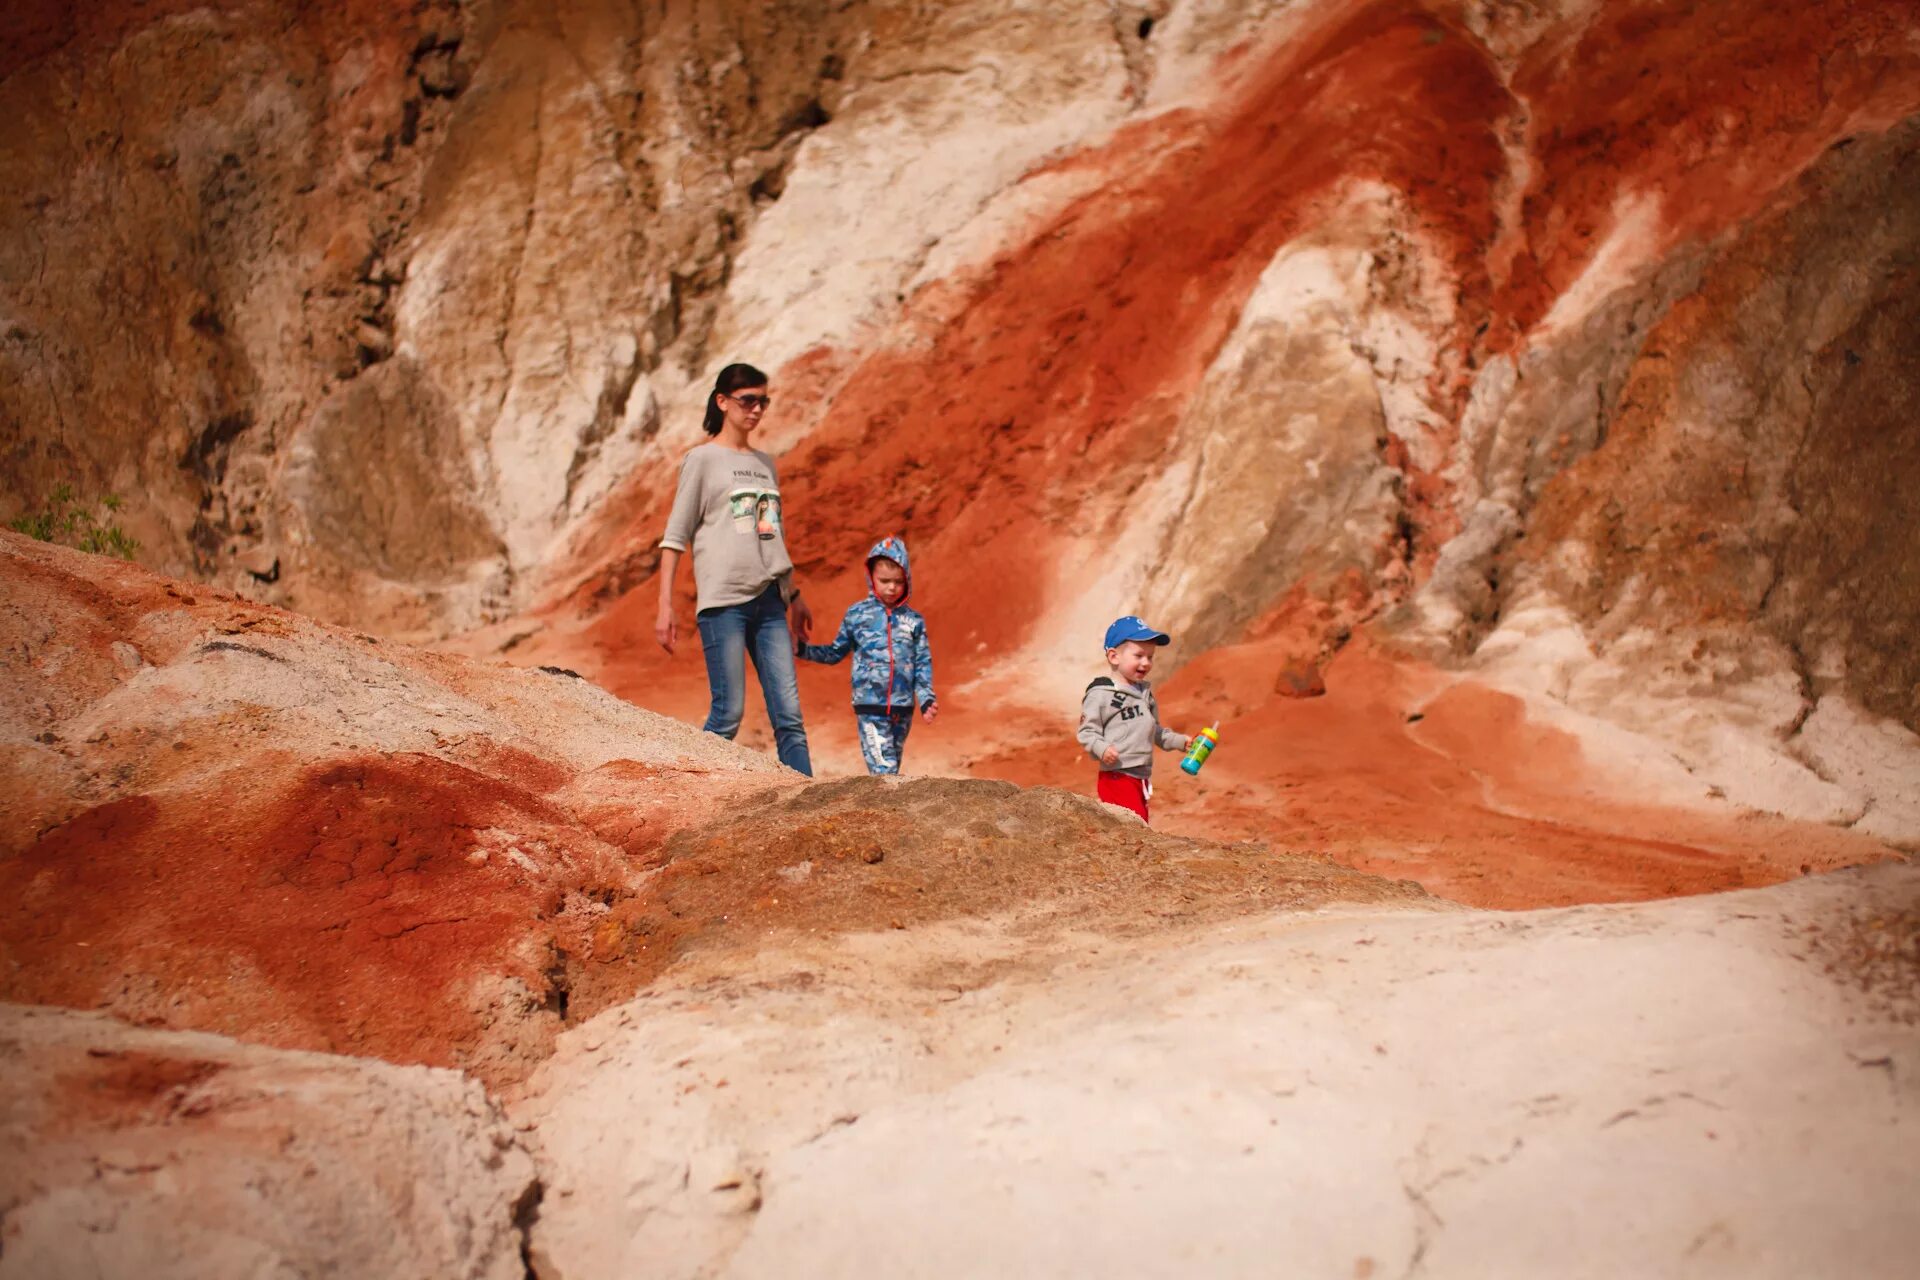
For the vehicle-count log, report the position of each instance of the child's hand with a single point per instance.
(928, 710)
(1111, 756)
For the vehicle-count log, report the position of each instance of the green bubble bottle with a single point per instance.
(1200, 748)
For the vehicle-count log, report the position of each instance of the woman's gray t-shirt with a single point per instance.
(728, 510)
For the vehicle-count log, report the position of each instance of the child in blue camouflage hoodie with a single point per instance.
(892, 665)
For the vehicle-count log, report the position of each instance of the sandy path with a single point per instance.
(1658, 1089)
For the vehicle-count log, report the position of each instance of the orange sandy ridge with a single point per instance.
(229, 818)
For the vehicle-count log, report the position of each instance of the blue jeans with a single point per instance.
(759, 627)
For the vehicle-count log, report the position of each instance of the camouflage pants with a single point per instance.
(883, 737)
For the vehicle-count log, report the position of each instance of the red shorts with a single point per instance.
(1125, 790)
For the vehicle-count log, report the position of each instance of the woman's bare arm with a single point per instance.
(665, 630)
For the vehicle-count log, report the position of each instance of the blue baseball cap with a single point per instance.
(1131, 628)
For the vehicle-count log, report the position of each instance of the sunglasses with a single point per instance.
(749, 403)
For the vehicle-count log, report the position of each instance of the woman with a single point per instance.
(728, 510)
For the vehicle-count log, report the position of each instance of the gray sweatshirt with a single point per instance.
(1124, 715)
(728, 510)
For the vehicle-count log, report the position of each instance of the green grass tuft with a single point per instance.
(72, 523)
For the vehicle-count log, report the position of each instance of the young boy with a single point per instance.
(1120, 721)
(892, 665)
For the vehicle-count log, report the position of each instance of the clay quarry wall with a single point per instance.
(1570, 344)
(1570, 347)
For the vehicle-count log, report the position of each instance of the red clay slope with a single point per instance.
(1405, 771)
(287, 893)
(224, 817)
(1711, 108)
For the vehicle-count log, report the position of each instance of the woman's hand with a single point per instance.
(665, 629)
(801, 620)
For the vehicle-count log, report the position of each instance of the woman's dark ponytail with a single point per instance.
(731, 379)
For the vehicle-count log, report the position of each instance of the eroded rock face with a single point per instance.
(1291, 484)
(196, 258)
(1272, 376)
(1735, 545)
(346, 303)
(154, 1153)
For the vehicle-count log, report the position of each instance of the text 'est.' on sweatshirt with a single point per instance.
(1125, 716)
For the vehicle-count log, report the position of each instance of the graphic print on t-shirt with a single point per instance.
(755, 510)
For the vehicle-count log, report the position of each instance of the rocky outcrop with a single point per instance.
(128, 1152)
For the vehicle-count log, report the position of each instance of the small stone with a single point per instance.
(1300, 680)
(724, 1171)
